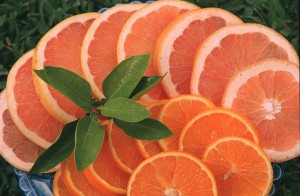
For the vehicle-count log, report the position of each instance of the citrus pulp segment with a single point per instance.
(177, 45)
(99, 48)
(268, 95)
(61, 47)
(141, 31)
(229, 50)
(172, 173)
(239, 166)
(25, 107)
(59, 187)
(177, 112)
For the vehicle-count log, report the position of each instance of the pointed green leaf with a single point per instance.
(148, 129)
(88, 141)
(145, 85)
(125, 76)
(69, 84)
(58, 152)
(124, 109)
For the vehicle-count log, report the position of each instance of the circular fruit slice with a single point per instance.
(229, 50)
(211, 125)
(61, 47)
(177, 45)
(141, 31)
(177, 112)
(268, 94)
(172, 173)
(239, 166)
(59, 187)
(104, 173)
(123, 149)
(99, 47)
(25, 108)
(149, 148)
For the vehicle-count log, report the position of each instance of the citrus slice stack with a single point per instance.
(141, 31)
(99, 47)
(25, 108)
(59, 187)
(61, 47)
(268, 94)
(229, 50)
(177, 112)
(239, 166)
(172, 173)
(177, 45)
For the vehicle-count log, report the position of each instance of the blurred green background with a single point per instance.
(24, 22)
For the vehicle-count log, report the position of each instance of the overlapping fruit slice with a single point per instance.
(59, 187)
(177, 45)
(231, 49)
(25, 107)
(61, 47)
(268, 94)
(141, 31)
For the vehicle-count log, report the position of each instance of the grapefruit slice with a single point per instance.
(229, 50)
(99, 47)
(239, 167)
(25, 107)
(61, 47)
(177, 45)
(141, 31)
(149, 148)
(211, 125)
(177, 112)
(59, 187)
(172, 173)
(268, 94)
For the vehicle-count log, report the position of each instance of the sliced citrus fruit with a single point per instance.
(104, 173)
(268, 94)
(61, 47)
(141, 31)
(229, 50)
(177, 45)
(172, 173)
(149, 148)
(25, 107)
(123, 149)
(76, 182)
(99, 47)
(59, 187)
(239, 166)
(211, 125)
(177, 112)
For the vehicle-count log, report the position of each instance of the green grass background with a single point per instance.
(24, 22)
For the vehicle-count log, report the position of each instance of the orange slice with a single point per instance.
(172, 173)
(177, 112)
(149, 148)
(141, 31)
(229, 50)
(123, 149)
(177, 45)
(61, 47)
(268, 94)
(25, 107)
(59, 187)
(104, 173)
(211, 125)
(239, 166)
(99, 48)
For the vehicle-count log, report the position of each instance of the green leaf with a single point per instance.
(124, 109)
(69, 84)
(148, 129)
(57, 152)
(145, 85)
(125, 76)
(88, 141)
